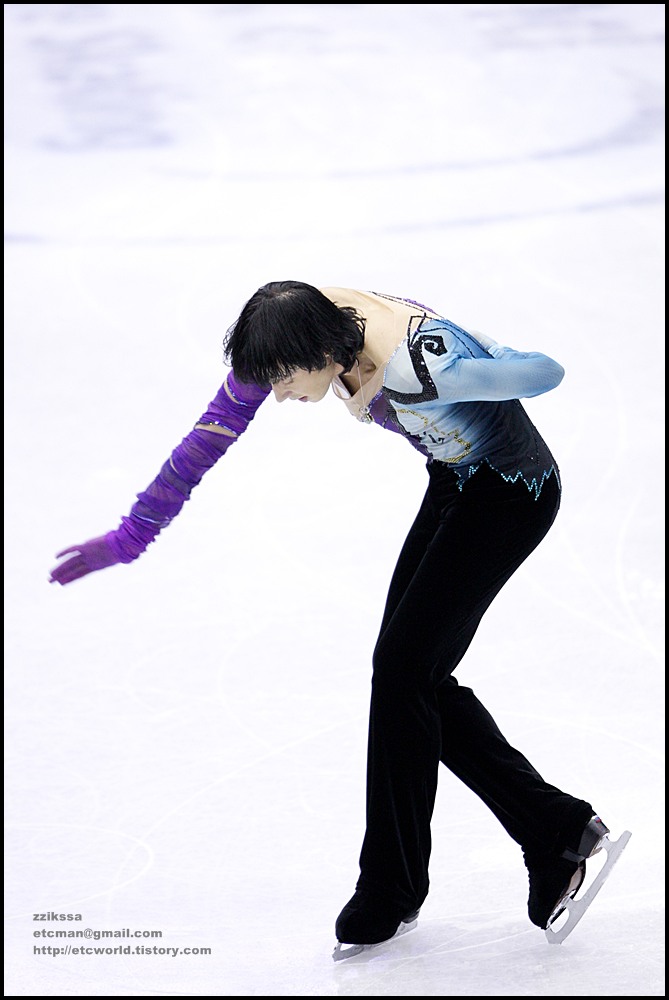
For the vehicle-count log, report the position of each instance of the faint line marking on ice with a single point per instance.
(606, 367)
(584, 615)
(235, 772)
(396, 961)
(401, 229)
(624, 589)
(547, 722)
(69, 906)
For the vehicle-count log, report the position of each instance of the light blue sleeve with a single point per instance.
(504, 374)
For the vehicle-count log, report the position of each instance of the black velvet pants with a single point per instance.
(461, 550)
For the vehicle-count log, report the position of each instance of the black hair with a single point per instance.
(287, 325)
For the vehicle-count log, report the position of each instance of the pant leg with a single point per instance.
(461, 550)
(537, 815)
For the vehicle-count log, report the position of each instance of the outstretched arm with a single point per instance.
(227, 416)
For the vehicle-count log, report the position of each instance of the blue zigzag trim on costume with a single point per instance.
(533, 485)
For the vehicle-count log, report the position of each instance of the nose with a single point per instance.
(280, 392)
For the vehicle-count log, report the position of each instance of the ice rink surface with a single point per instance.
(186, 735)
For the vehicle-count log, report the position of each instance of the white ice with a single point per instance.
(186, 735)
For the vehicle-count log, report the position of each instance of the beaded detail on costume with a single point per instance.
(459, 402)
(224, 429)
(228, 389)
(408, 302)
(534, 485)
(456, 402)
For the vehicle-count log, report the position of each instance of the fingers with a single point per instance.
(72, 548)
(81, 559)
(70, 570)
(67, 577)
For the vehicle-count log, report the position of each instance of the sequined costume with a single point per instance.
(455, 396)
(493, 493)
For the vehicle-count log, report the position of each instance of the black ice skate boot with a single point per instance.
(556, 878)
(369, 919)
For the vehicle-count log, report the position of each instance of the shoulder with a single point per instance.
(345, 296)
(428, 361)
(368, 302)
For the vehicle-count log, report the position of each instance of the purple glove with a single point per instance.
(84, 559)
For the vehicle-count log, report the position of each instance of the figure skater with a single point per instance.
(493, 491)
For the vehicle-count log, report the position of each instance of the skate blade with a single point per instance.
(575, 908)
(343, 951)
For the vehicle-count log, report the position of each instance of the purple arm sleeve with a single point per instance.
(233, 408)
(227, 416)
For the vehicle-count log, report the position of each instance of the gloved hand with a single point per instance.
(85, 558)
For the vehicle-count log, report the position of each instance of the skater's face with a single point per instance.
(307, 387)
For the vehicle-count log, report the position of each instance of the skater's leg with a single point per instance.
(557, 831)
(398, 896)
(375, 913)
(537, 815)
(478, 543)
